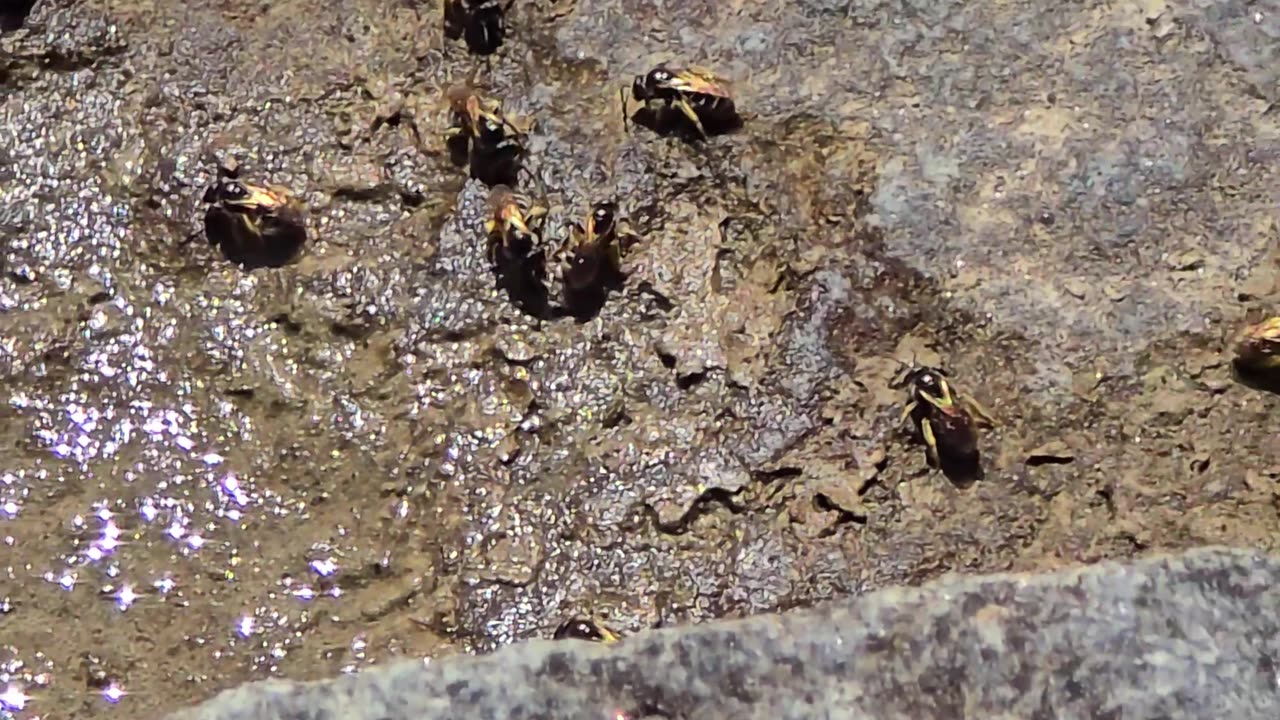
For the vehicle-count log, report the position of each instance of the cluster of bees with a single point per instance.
(256, 226)
(263, 226)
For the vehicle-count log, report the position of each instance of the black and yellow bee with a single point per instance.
(481, 23)
(514, 225)
(482, 134)
(703, 97)
(516, 253)
(584, 629)
(253, 225)
(946, 419)
(479, 120)
(591, 255)
(1258, 349)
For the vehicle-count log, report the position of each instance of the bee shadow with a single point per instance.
(1256, 379)
(962, 470)
(455, 20)
(14, 14)
(459, 147)
(524, 279)
(585, 303)
(495, 167)
(670, 122)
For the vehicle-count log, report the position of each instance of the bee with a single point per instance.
(591, 254)
(480, 121)
(703, 97)
(481, 23)
(946, 418)
(483, 134)
(1258, 349)
(514, 226)
(584, 629)
(253, 225)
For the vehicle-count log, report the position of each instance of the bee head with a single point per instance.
(602, 217)
(928, 380)
(579, 629)
(492, 131)
(646, 87)
(226, 191)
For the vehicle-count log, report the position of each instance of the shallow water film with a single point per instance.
(212, 473)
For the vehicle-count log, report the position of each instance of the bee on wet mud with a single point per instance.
(947, 421)
(254, 226)
(704, 100)
(1257, 354)
(515, 248)
(1258, 349)
(482, 136)
(589, 259)
(482, 24)
(584, 629)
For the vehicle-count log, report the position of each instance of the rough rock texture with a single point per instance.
(372, 454)
(1189, 636)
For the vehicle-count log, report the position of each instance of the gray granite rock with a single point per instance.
(1180, 636)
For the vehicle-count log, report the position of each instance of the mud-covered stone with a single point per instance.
(1181, 636)
(1071, 207)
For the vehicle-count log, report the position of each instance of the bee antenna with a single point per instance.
(542, 188)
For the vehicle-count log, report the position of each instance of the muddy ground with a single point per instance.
(212, 475)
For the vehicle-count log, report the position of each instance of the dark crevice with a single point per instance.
(843, 516)
(1038, 460)
(781, 473)
(383, 191)
(705, 503)
(351, 331)
(688, 380)
(286, 323)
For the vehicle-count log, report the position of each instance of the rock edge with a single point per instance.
(1191, 635)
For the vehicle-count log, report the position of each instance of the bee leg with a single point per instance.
(607, 635)
(692, 114)
(930, 441)
(494, 247)
(980, 411)
(906, 412)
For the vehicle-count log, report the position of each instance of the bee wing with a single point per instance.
(1267, 331)
(258, 197)
(701, 80)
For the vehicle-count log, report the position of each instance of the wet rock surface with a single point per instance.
(225, 475)
(1188, 636)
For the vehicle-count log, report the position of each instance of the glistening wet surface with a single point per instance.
(213, 475)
